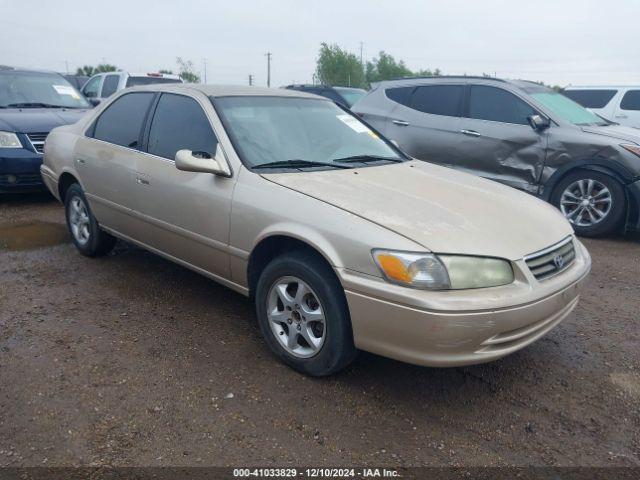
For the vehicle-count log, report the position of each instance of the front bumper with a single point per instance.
(20, 171)
(453, 328)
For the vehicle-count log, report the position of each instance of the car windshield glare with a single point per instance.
(38, 90)
(276, 129)
(351, 95)
(567, 109)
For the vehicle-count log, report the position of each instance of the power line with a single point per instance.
(268, 55)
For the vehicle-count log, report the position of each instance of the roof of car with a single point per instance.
(227, 90)
(7, 68)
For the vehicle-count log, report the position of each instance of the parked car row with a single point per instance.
(521, 134)
(343, 241)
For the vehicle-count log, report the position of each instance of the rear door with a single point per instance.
(497, 141)
(186, 214)
(106, 160)
(426, 121)
(628, 112)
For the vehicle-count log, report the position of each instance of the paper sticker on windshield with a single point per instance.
(66, 90)
(353, 123)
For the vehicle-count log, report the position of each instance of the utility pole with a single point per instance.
(204, 60)
(250, 80)
(268, 55)
(361, 46)
(66, 64)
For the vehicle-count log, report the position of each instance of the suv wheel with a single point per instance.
(303, 314)
(593, 202)
(85, 232)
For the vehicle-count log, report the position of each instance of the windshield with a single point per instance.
(133, 81)
(351, 95)
(276, 129)
(567, 109)
(38, 90)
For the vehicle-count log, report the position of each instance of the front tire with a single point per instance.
(593, 202)
(303, 314)
(85, 232)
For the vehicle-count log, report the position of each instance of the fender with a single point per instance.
(598, 164)
(615, 170)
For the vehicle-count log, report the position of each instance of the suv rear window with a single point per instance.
(133, 81)
(631, 100)
(121, 122)
(591, 98)
(438, 99)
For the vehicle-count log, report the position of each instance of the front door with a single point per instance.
(628, 113)
(497, 140)
(186, 214)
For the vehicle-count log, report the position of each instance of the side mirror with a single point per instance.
(538, 122)
(189, 161)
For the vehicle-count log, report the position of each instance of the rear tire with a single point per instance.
(85, 232)
(593, 202)
(293, 293)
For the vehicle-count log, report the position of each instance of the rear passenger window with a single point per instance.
(438, 100)
(110, 85)
(180, 123)
(121, 123)
(400, 95)
(631, 100)
(498, 105)
(591, 98)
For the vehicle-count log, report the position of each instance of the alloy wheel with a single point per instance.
(79, 220)
(586, 202)
(296, 317)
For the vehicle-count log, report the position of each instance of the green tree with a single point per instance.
(164, 70)
(385, 67)
(337, 67)
(89, 70)
(187, 71)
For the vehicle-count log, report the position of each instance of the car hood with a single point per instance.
(619, 132)
(37, 120)
(443, 210)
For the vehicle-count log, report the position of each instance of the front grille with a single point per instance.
(37, 140)
(552, 260)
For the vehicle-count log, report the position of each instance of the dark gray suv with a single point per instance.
(521, 134)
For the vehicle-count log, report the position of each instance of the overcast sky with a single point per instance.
(558, 42)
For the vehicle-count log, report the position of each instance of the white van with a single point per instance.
(620, 104)
(103, 85)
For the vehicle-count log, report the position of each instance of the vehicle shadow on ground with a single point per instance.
(15, 199)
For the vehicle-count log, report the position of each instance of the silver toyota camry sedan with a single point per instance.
(342, 241)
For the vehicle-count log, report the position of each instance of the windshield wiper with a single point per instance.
(33, 105)
(368, 158)
(299, 163)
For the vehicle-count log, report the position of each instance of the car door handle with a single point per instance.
(621, 116)
(471, 133)
(400, 123)
(142, 181)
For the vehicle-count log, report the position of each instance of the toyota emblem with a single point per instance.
(558, 261)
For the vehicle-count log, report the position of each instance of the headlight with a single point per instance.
(635, 149)
(9, 140)
(442, 272)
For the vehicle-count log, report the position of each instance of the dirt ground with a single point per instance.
(132, 360)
